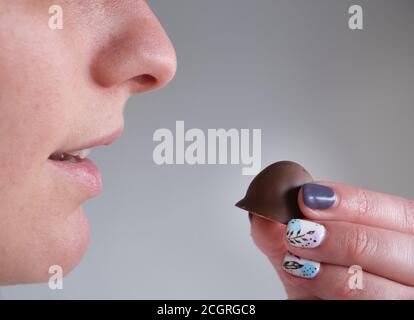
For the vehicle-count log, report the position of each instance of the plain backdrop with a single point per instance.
(340, 102)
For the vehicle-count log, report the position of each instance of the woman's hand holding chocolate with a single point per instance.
(344, 230)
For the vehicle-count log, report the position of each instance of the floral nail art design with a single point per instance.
(305, 234)
(300, 267)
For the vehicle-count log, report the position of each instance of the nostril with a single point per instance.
(145, 81)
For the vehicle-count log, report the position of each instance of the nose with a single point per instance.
(138, 55)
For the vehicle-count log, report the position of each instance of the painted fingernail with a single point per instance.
(304, 233)
(316, 196)
(299, 267)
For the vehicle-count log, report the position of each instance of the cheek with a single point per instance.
(40, 242)
(32, 117)
(33, 235)
(40, 224)
(26, 136)
(27, 105)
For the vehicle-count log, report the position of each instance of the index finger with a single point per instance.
(331, 201)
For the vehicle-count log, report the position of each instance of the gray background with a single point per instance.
(338, 101)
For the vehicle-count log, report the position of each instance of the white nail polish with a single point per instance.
(300, 267)
(304, 233)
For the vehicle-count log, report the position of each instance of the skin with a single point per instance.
(365, 228)
(64, 88)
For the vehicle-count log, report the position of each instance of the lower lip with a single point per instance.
(84, 173)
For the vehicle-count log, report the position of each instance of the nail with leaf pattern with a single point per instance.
(299, 267)
(304, 233)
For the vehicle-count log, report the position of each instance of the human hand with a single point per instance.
(344, 226)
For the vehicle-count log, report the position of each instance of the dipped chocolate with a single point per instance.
(273, 193)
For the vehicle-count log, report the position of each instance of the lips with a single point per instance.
(78, 169)
(76, 156)
(82, 172)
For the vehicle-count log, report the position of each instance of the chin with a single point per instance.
(71, 243)
(61, 243)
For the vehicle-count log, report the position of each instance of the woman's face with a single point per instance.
(63, 90)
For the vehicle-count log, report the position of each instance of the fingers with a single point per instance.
(326, 280)
(328, 201)
(382, 252)
(269, 238)
(355, 227)
(336, 282)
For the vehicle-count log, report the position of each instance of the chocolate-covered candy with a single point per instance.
(273, 193)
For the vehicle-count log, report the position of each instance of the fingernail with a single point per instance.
(299, 267)
(250, 217)
(304, 233)
(316, 196)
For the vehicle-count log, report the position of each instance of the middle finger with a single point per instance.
(382, 252)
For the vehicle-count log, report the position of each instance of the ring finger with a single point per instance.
(334, 282)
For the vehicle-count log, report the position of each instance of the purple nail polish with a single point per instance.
(316, 196)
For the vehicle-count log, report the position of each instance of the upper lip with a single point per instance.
(103, 140)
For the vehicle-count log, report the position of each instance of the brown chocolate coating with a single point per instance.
(273, 193)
